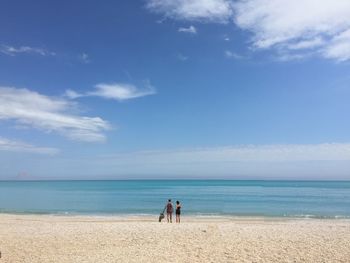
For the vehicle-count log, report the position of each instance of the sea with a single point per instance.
(295, 199)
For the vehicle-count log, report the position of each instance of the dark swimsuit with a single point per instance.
(178, 210)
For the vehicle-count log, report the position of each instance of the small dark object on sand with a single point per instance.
(161, 216)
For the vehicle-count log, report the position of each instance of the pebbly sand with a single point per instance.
(44, 238)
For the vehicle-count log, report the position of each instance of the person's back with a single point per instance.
(169, 211)
(169, 208)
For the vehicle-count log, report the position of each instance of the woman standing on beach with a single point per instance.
(178, 211)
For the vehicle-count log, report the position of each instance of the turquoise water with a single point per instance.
(328, 199)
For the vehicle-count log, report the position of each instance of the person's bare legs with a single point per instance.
(169, 217)
(177, 218)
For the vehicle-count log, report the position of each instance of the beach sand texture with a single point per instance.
(43, 238)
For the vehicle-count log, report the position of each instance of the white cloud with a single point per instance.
(120, 91)
(50, 114)
(190, 29)
(294, 29)
(339, 47)
(116, 91)
(18, 146)
(193, 10)
(84, 58)
(13, 51)
(321, 27)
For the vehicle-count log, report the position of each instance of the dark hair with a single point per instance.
(169, 200)
(177, 202)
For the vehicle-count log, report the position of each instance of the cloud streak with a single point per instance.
(247, 153)
(13, 51)
(18, 146)
(190, 29)
(304, 161)
(295, 161)
(114, 91)
(49, 114)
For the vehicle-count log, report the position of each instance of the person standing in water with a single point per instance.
(178, 211)
(169, 211)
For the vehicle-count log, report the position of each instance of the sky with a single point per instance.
(175, 89)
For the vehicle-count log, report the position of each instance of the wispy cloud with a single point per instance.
(247, 153)
(321, 27)
(293, 161)
(233, 55)
(182, 57)
(339, 46)
(115, 91)
(84, 58)
(13, 51)
(293, 29)
(72, 94)
(307, 44)
(190, 29)
(219, 11)
(35, 110)
(18, 146)
(287, 56)
(311, 161)
(120, 91)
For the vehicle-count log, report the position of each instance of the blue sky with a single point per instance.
(175, 89)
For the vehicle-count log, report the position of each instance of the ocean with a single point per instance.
(304, 199)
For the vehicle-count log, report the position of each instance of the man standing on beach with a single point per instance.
(169, 211)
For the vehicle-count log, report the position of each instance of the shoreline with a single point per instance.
(154, 218)
(150, 217)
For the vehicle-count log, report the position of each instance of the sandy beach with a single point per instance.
(45, 238)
